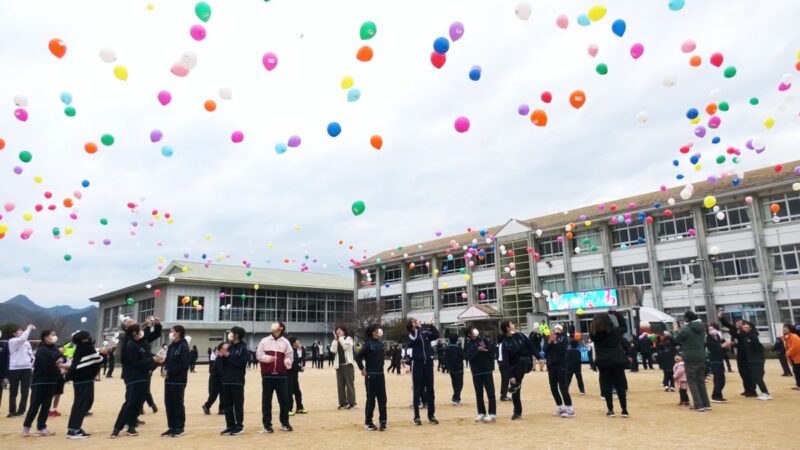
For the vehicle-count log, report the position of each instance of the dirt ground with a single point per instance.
(655, 421)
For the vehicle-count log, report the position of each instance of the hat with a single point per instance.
(558, 327)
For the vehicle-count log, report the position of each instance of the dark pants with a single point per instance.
(41, 399)
(744, 373)
(81, 404)
(757, 376)
(135, 394)
(647, 361)
(635, 364)
(684, 396)
(557, 376)
(376, 392)
(668, 380)
(796, 368)
(481, 383)
(233, 404)
(784, 364)
(613, 378)
(214, 388)
(457, 380)
(173, 402)
(517, 371)
(110, 367)
(280, 386)
(503, 381)
(422, 377)
(149, 396)
(294, 394)
(578, 376)
(18, 380)
(718, 371)
(728, 363)
(696, 379)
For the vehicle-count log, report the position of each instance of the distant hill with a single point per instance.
(65, 320)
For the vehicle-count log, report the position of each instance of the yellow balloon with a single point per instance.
(698, 167)
(68, 231)
(3, 228)
(269, 245)
(196, 303)
(696, 120)
(256, 286)
(37, 179)
(150, 6)
(436, 271)
(547, 332)
(597, 12)
(444, 285)
(161, 259)
(579, 311)
(121, 73)
(170, 220)
(157, 217)
(709, 201)
(184, 269)
(347, 82)
(467, 277)
(27, 217)
(588, 223)
(208, 237)
(769, 123)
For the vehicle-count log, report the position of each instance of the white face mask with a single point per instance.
(172, 336)
(474, 332)
(380, 332)
(52, 339)
(275, 327)
(230, 337)
(141, 334)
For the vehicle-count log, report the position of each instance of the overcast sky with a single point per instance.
(426, 178)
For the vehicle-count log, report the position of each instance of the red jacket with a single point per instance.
(275, 355)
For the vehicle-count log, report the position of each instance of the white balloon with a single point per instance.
(188, 60)
(148, 286)
(105, 343)
(513, 273)
(716, 208)
(758, 144)
(83, 319)
(116, 341)
(776, 218)
(714, 94)
(538, 233)
(686, 194)
(796, 187)
(786, 78)
(121, 317)
(21, 101)
(577, 249)
(671, 201)
(189, 339)
(523, 10)
(669, 80)
(720, 216)
(642, 116)
(225, 93)
(108, 55)
(171, 279)
(714, 250)
(546, 292)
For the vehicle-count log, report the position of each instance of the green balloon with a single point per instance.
(729, 72)
(368, 30)
(203, 11)
(25, 156)
(69, 111)
(103, 221)
(107, 140)
(724, 106)
(754, 101)
(249, 273)
(720, 159)
(130, 301)
(358, 208)
(602, 69)
(67, 257)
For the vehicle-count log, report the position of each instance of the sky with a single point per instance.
(245, 202)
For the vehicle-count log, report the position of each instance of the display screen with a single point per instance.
(601, 298)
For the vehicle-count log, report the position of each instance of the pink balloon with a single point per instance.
(9, 206)
(294, 141)
(270, 61)
(714, 122)
(179, 70)
(688, 46)
(26, 234)
(562, 21)
(237, 136)
(21, 114)
(78, 194)
(637, 50)
(198, 32)
(462, 124)
(593, 49)
(164, 97)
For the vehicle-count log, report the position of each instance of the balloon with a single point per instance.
(179, 70)
(669, 80)
(164, 97)
(676, 5)
(280, 148)
(692, 113)
(523, 110)
(188, 60)
(156, 135)
(714, 122)
(716, 59)
(580, 313)
(709, 201)
(108, 55)
(642, 116)
(186, 300)
(66, 98)
(68, 258)
(21, 114)
(577, 98)
(376, 142)
(237, 137)
(9, 206)
(637, 50)
(729, 72)
(368, 30)
(546, 96)
(353, 95)
(270, 61)
(210, 105)
(695, 61)
(775, 208)
(456, 31)
(69, 111)
(225, 93)
(167, 151)
(583, 20)
(57, 47)
(618, 27)
(475, 73)
(25, 156)
(334, 129)
(592, 49)
(596, 12)
(107, 140)
(347, 82)
(21, 101)
(562, 21)
(90, 148)
(577, 336)
(294, 141)
(523, 10)
(198, 32)
(121, 73)
(203, 11)
(601, 69)
(462, 124)
(754, 101)
(358, 208)
(441, 45)
(539, 118)
(769, 122)
(438, 60)
(364, 54)
(688, 46)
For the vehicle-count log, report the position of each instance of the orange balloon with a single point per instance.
(68, 202)
(577, 99)
(577, 336)
(58, 48)
(539, 118)
(185, 300)
(775, 208)
(695, 61)
(376, 142)
(364, 53)
(2, 144)
(569, 235)
(711, 108)
(90, 147)
(210, 105)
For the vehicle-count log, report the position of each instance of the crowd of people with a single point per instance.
(686, 357)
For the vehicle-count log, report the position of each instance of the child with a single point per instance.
(454, 361)
(46, 372)
(137, 362)
(372, 351)
(82, 372)
(214, 382)
(176, 365)
(298, 365)
(574, 366)
(276, 356)
(232, 363)
(679, 374)
(480, 354)
(555, 350)
(59, 385)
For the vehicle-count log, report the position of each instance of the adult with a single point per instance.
(3, 368)
(232, 363)
(295, 395)
(454, 362)
(373, 352)
(314, 355)
(276, 355)
(691, 338)
(137, 363)
(780, 349)
(716, 348)
(536, 344)
(82, 371)
(792, 344)
(555, 350)
(111, 362)
(193, 356)
(176, 366)
(214, 382)
(480, 354)
(419, 342)
(755, 358)
(342, 348)
(46, 372)
(20, 368)
(517, 360)
(646, 350)
(737, 337)
(607, 330)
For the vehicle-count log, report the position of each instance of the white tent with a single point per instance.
(647, 314)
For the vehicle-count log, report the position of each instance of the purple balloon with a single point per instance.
(456, 31)
(796, 170)
(294, 141)
(523, 110)
(106, 242)
(749, 144)
(156, 135)
(700, 131)
(18, 170)
(712, 179)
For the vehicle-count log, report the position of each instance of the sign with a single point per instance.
(601, 298)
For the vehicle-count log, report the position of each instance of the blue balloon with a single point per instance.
(675, 162)
(441, 45)
(679, 176)
(735, 181)
(167, 151)
(334, 129)
(85, 183)
(692, 114)
(450, 257)
(694, 159)
(26, 269)
(641, 240)
(66, 98)
(657, 205)
(475, 73)
(715, 140)
(280, 148)
(583, 20)
(483, 232)
(677, 5)
(353, 95)
(619, 27)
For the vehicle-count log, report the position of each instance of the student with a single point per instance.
(314, 355)
(791, 342)
(111, 362)
(59, 391)
(632, 350)
(737, 337)
(214, 382)
(716, 348)
(666, 361)
(20, 368)
(193, 358)
(395, 359)
(419, 342)
(176, 366)
(3, 367)
(517, 360)
(679, 374)
(276, 356)
(441, 363)
(536, 346)
(232, 363)
(574, 365)
(298, 365)
(555, 349)
(46, 372)
(755, 358)
(342, 348)
(137, 362)
(151, 329)
(480, 354)
(454, 362)
(691, 338)
(372, 352)
(503, 372)
(607, 330)
(646, 351)
(83, 369)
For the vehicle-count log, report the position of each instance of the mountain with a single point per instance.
(65, 320)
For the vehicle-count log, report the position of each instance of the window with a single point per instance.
(753, 312)
(340, 306)
(736, 218)
(485, 260)
(108, 321)
(392, 274)
(735, 266)
(553, 283)
(516, 295)
(419, 270)
(785, 259)
(238, 305)
(628, 235)
(672, 271)
(487, 293)
(146, 309)
(675, 227)
(789, 203)
(392, 304)
(635, 275)
(549, 247)
(587, 281)
(789, 310)
(453, 263)
(421, 300)
(454, 297)
(189, 311)
(677, 313)
(588, 240)
(366, 277)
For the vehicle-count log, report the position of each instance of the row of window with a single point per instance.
(450, 297)
(450, 263)
(111, 315)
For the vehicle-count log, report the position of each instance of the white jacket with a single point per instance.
(20, 353)
(346, 344)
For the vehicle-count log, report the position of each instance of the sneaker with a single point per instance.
(114, 434)
(220, 413)
(52, 413)
(155, 409)
(568, 413)
(226, 432)
(625, 414)
(559, 410)
(45, 432)
(764, 396)
(489, 418)
(383, 426)
(302, 411)
(516, 417)
(139, 422)
(433, 421)
(131, 432)
(26, 431)
(166, 433)
(750, 395)
(237, 431)
(352, 406)
(286, 427)
(89, 414)
(370, 427)
(455, 402)
(344, 406)
(417, 421)
(77, 435)
(719, 400)
(178, 433)
(707, 408)
(666, 388)
(796, 388)
(291, 413)
(611, 413)
(206, 410)
(701, 409)
(672, 389)
(583, 392)
(505, 399)
(480, 417)
(267, 430)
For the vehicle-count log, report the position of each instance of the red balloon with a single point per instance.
(778, 167)
(547, 96)
(716, 59)
(438, 60)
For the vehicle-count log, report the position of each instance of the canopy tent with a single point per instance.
(648, 314)
(479, 312)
